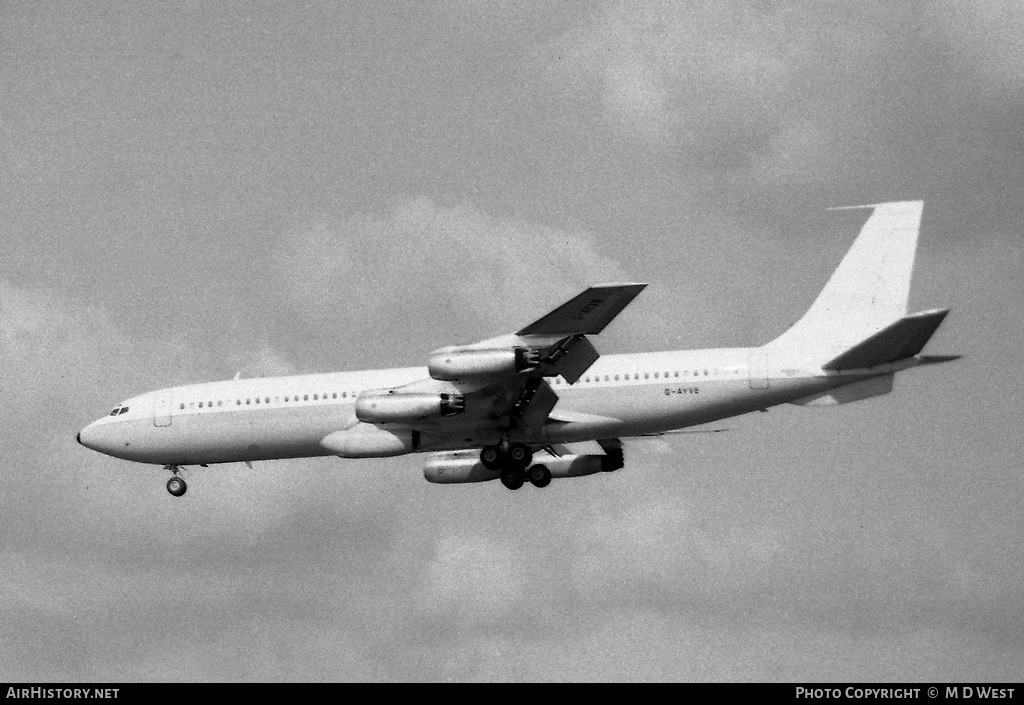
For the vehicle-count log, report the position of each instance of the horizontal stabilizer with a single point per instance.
(902, 339)
(863, 389)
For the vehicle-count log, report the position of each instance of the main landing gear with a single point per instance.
(513, 462)
(176, 485)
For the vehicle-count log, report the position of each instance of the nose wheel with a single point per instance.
(176, 485)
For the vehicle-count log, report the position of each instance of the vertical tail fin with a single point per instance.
(868, 291)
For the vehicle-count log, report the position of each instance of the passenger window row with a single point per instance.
(249, 401)
(649, 375)
(290, 398)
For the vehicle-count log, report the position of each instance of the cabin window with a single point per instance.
(248, 401)
(334, 395)
(315, 397)
(200, 405)
(305, 397)
(266, 400)
(182, 405)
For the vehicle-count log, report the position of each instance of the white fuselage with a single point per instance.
(288, 417)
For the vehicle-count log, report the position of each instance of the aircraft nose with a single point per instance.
(92, 438)
(111, 439)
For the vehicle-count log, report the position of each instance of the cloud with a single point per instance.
(678, 76)
(52, 349)
(659, 548)
(452, 271)
(472, 579)
(990, 36)
(772, 97)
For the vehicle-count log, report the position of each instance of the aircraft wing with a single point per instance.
(553, 345)
(587, 313)
(503, 382)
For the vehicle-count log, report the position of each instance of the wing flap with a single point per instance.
(570, 358)
(534, 404)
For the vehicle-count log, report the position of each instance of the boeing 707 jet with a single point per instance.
(542, 403)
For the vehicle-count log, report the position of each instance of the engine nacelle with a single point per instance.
(368, 441)
(389, 406)
(463, 466)
(457, 467)
(455, 363)
(581, 465)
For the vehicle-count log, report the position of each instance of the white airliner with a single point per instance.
(541, 403)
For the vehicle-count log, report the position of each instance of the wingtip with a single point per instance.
(937, 359)
(620, 285)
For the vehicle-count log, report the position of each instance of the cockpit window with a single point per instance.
(124, 410)
(116, 411)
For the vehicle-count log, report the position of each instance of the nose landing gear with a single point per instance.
(176, 485)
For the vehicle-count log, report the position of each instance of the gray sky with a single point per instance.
(191, 189)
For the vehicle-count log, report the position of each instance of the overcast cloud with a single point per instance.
(188, 190)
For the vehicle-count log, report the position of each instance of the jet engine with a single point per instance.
(461, 363)
(390, 406)
(461, 466)
(457, 467)
(368, 441)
